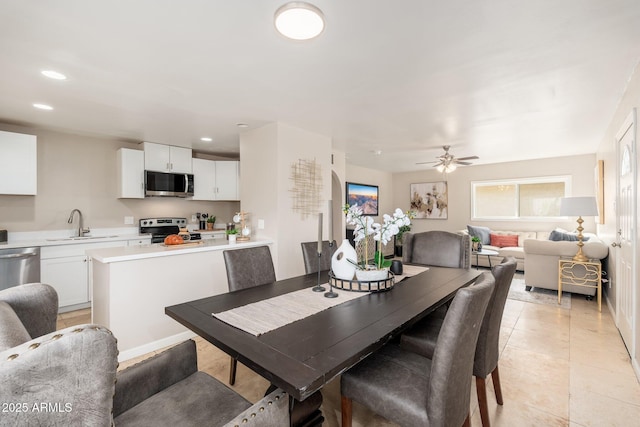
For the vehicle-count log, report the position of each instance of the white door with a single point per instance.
(626, 225)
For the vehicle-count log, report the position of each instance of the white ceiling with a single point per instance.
(501, 79)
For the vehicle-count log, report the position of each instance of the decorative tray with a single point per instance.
(363, 285)
(185, 244)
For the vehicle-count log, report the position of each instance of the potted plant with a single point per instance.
(475, 244)
(398, 245)
(232, 234)
(382, 234)
(210, 222)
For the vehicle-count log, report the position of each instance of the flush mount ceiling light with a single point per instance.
(299, 20)
(43, 106)
(206, 139)
(242, 125)
(53, 75)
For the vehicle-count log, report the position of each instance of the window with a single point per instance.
(530, 198)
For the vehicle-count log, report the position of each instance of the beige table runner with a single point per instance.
(263, 316)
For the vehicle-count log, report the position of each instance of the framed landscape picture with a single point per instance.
(430, 200)
(366, 196)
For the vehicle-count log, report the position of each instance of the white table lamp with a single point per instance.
(579, 206)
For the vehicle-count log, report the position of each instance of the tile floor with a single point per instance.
(558, 367)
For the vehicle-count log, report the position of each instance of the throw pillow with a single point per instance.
(504, 240)
(560, 236)
(482, 233)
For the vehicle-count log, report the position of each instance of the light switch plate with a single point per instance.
(194, 218)
(128, 220)
(261, 224)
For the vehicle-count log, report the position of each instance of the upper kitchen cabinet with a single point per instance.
(18, 164)
(130, 174)
(215, 180)
(167, 158)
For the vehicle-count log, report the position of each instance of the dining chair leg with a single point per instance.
(481, 388)
(232, 370)
(467, 422)
(346, 409)
(495, 377)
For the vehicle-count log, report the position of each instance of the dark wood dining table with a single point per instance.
(303, 356)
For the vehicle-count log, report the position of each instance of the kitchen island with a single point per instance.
(131, 286)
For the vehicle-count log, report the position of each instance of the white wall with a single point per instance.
(580, 168)
(268, 154)
(80, 172)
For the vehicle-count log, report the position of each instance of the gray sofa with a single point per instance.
(68, 377)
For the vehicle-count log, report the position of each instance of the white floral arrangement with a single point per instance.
(364, 226)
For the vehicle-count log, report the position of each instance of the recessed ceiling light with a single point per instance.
(54, 75)
(299, 20)
(206, 139)
(376, 152)
(242, 125)
(43, 106)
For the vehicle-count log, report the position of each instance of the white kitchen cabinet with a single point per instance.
(167, 158)
(139, 242)
(18, 164)
(69, 277)
(130, 174)
(65, 267)
(215, 180)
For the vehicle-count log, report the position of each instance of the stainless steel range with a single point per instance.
(159, 228)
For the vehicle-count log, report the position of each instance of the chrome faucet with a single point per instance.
(81, 230)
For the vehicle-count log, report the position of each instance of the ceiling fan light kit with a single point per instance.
(447, 163)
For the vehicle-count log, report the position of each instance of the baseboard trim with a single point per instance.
(155, 345)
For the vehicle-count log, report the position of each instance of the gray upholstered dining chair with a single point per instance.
(310, 255)
(247, 268)
(422, 338)
(73, 372)
(414, 390)
(437, 248)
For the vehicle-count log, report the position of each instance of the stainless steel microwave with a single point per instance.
(168, 184)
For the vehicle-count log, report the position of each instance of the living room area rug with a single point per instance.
(537, 295)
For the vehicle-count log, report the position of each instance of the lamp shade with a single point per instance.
(578, 206)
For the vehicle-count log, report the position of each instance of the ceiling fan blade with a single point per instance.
(468, 158)
(425, 163)
(463, 163)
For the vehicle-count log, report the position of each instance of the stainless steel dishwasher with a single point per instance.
(19, 266)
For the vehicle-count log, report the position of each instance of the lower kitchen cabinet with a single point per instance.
(66, 268)
(69, 277)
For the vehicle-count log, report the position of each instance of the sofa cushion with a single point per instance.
(13, 332)
(481, 233)
(513, 251)
(504, 241)
(562, 236)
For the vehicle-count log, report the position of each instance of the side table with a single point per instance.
(580, 273)
(486, 252)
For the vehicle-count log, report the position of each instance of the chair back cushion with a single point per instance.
(452, 366)
(249, 267)
(487, 350)
(35, 304)
(12, 331)
(438, 249)
(65, 378)
(310, 255)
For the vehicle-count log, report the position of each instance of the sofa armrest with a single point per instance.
(271, 410)
(36, 305)
(142, 380)
(594, 250)
(61, 379)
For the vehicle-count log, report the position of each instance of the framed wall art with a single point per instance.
(430, 200)
(366, 196)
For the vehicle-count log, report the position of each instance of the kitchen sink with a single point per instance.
(62, 239)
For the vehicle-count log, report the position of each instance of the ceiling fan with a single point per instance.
(447, 162)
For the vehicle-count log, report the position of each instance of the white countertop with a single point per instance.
(60, 238)
(129, 253)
